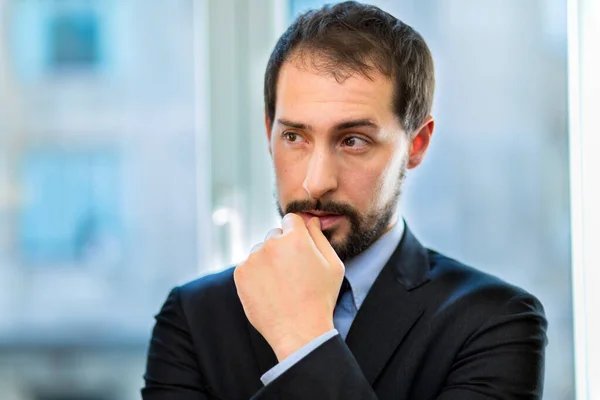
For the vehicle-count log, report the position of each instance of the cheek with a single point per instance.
(363, 188)
(388, 187)
(372, 187)
(390, 179)
(288, 176)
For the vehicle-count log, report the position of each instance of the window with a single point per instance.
(71, 205)
(74, 40)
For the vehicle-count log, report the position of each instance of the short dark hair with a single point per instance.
(352, 38)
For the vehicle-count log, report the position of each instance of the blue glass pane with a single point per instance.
(74, 40)
(71, 201)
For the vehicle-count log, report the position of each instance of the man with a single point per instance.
(342, 301)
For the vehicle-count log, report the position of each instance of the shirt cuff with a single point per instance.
(296, 356)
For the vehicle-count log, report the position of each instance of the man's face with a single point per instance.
(339, 153)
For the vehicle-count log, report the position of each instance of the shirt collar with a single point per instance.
(362, 270)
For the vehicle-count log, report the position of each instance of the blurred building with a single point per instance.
(97, 189)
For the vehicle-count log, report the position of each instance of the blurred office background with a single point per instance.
(133, 159)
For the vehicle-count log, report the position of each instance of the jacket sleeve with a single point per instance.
(503, 359)
(171, 369)
(329, 372)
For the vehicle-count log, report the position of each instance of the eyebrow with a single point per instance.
(356, 123)
(295, 125)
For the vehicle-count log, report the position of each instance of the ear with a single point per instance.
(268, 127)
(420, 142)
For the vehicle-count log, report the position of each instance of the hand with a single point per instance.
(289, 284)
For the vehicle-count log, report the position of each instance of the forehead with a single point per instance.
(307, 93)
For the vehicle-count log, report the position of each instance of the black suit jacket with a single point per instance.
(430, 328)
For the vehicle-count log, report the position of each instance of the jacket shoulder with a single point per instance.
(210, 296)
(458, 283)
(209, 285)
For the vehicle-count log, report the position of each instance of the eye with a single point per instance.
(354, 142)
(292, 137)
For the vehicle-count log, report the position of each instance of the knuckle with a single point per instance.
(238, 273)
(275, 246)
(252, 257)
(273, 233)
(339, 268)
(255, 249)
(269, 245)
(293, 218)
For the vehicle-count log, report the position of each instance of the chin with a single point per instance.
(335, 237)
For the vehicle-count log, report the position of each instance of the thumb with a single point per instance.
(323, 245)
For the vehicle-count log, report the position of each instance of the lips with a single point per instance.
(327, 220)
(321, 213)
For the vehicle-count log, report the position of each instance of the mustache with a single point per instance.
(333, 207)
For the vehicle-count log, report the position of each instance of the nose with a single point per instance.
(321, 177)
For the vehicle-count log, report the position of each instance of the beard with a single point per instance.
(364, 229)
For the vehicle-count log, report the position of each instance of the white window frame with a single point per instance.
(204, 227)
(584, 140)
(233, 40)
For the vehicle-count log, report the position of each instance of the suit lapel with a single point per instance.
(389, 311)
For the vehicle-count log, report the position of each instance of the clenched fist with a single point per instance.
(289, 284)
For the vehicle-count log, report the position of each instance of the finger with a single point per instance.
(256, 247)
(291, 222)
(273, 233)
(323, 245)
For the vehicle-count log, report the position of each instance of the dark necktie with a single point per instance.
(345, 309)
(343, 289)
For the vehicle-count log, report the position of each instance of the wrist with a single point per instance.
(291, 342)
